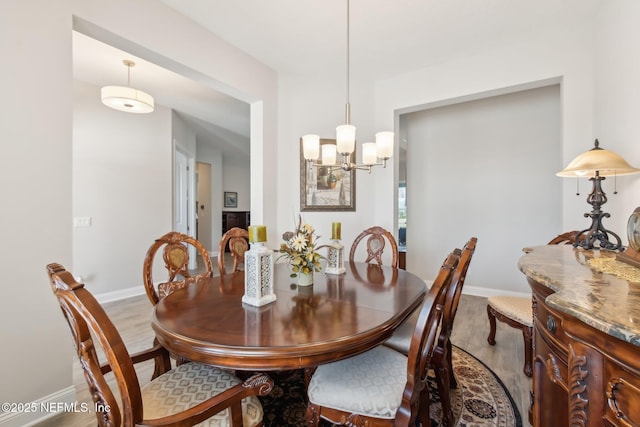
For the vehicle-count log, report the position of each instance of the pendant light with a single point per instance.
(126, 98)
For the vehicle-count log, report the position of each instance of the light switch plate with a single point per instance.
(82, 221)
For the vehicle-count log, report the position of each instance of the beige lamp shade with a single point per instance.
(606, 162)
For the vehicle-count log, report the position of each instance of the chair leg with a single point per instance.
(527, 333)
(453, 383)
(492, 326)
(443, 381)
(312, 415)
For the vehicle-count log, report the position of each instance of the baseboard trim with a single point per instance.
(66, 396)
(120, 294)
(490, 292)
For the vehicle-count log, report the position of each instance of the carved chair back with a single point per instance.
(175, 254)
(236, 240)
(92, 329)
(377, 237)
(442, 358)
(567, 238)
(120, 402)
(415, 398)
(414, 401)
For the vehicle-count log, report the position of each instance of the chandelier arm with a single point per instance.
(347, 167)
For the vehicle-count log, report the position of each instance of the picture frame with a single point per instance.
(324, 189)
(230, 199)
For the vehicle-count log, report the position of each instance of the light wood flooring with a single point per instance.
(133, 315)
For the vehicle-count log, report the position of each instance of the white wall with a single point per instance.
(37, 128)
(315, 104)
(235, 178)
(557, 54)
(484, 168)
(617, 106)
(36, 189)
(122, 167)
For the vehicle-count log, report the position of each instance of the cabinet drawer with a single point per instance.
(554, 361)
(549, 325)
(622, 396)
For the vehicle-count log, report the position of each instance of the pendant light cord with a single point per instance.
(348, 105)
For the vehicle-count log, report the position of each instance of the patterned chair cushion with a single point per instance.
(515, 308)
(370, 383)
(191, 383)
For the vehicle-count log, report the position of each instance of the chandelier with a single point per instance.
(126, 98)
(346, 139)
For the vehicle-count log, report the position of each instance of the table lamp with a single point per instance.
(597, 164)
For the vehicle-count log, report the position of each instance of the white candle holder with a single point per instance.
(335, 258)
(258, 275)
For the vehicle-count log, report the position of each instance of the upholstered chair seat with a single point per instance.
(190, 384)
(369, 384)
(401, 337)
(517, 309)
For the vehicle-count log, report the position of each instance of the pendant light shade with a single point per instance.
(126, 98)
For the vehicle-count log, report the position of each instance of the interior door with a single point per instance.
(183, 188)
(181, 194)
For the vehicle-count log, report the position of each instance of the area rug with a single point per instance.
(480, 399)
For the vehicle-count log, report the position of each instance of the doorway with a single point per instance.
(183, 197)
(484, 168)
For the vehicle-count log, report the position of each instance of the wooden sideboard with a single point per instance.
(586, 339)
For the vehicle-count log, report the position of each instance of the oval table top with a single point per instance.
(337, 317)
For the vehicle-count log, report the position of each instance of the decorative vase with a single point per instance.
(258, 275)
(305, 279)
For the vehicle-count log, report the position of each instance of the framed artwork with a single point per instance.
(230, 199)
(323, 188)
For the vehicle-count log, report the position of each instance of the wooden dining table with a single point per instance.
(337, 317)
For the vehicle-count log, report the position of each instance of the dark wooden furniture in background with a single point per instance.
(586, 340)
(235, 219)
(231, 219)
(337, 317)
(123, 401)
(402, 258)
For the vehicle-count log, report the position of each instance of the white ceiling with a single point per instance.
(387, 37)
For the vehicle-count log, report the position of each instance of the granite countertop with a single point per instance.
(604, 301)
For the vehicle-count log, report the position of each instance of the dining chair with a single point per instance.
(442, 356)
(376, 242)
(189, 394)
(517, 311)
(175, 254)
(236, 240)
(383, 387)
